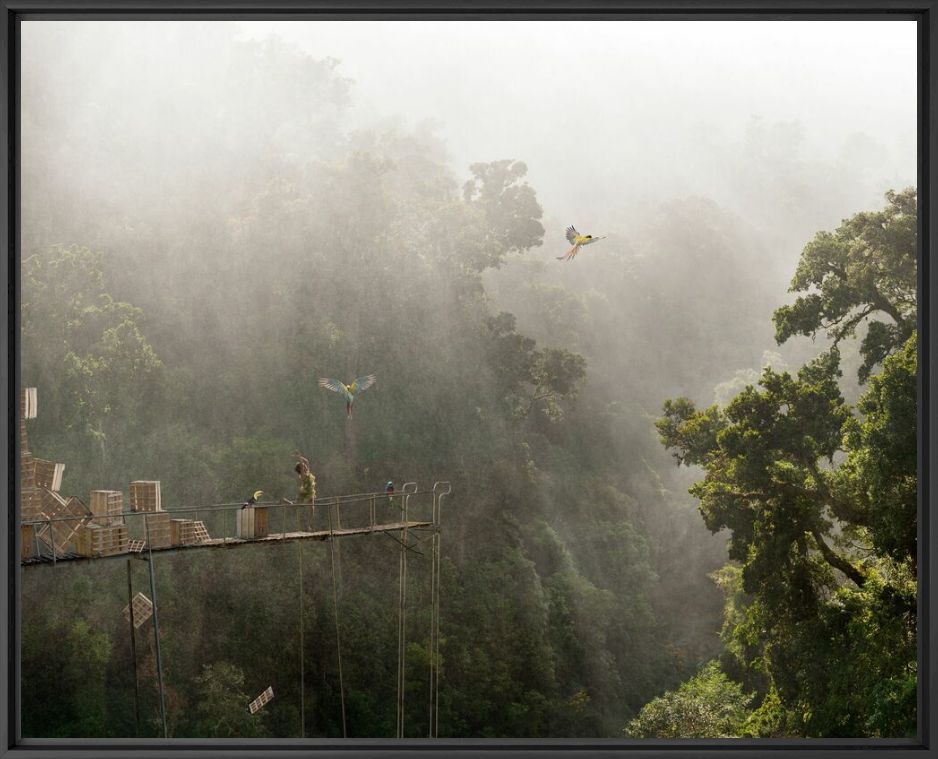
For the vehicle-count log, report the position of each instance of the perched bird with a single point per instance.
(577, 241)
(390, 488)
(253, 499)
(351, 392)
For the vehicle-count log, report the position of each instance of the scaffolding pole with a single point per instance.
(156, 630)
(133, 646)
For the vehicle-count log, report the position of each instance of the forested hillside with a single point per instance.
(182, 294)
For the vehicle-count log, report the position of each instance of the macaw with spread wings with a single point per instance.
(352, 391)
(577, 241)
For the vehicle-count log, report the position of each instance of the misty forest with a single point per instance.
(683, 462)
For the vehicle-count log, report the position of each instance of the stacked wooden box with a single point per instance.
(97, 540)
(157, 530)
(63, 530)
(253, 523)
(187, 532)
(107, 507)
(145, 495)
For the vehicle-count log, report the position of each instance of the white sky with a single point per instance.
(620, 99)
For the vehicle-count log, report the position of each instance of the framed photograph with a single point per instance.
(530, 379)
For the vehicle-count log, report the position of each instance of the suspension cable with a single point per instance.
(338, 636)
(299, 554)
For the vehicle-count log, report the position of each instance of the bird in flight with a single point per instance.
(577, 241)
(351, 392)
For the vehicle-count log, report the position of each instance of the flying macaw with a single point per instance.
(253, 499)
(351, 392)
(577, 241)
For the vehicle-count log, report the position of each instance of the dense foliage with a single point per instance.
(820, 496)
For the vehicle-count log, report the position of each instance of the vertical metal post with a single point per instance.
(133, 647)
(338, 547)
(338, 634)
(432, 609)
(436, 602)
(52, 541)
(406, 490)
(299, 551)
(156, 629)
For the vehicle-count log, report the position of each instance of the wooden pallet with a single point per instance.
(187, 532)
(107, 505)
(257, 704)
(145, 495)
(98, 540)
(143, 610)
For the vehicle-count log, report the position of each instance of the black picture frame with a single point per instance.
(924, 12)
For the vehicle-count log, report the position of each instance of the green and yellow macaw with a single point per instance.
(577, 241)
(351, 392)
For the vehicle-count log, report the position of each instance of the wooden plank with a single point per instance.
(29, 408)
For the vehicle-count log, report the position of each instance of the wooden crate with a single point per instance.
(46, 474)
(143, 610)
(135, 546)
(177, 531)
(27, 470)
(42, 503)
(97, 540)
(253, 523)
(157, 529)
(145, 495)
(107, 505)
(31, 503)
(187, 532)
(27, 541)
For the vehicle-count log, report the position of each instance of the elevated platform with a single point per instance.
(277, 537)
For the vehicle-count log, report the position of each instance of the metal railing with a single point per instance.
(356, 513)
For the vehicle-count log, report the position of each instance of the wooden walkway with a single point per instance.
(277, 537)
